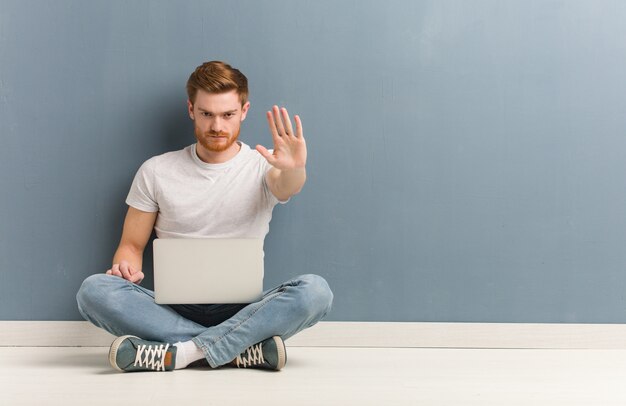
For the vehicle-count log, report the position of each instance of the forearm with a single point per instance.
(130, 254)
(290, 181)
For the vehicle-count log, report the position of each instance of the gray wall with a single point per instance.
(466, 157)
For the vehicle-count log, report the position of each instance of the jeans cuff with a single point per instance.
(205, 350)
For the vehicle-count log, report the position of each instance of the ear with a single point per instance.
(190, 109)
(244, 110)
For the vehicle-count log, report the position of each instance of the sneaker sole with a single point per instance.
(113, 351)
(282, 353)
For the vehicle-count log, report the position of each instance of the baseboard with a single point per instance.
(359, 334)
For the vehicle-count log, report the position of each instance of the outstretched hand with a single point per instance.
(289, 146)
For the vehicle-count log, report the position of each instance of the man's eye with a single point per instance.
(229, 115)
(205, 114)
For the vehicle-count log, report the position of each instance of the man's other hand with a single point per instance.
(125, 270)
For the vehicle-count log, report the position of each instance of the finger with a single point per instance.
(124, 269)
(137, 277)
(116, 273)
(272, 124)
(287, 121)
(266, 154)
(299, 132)
(108, 272)
(279, 122)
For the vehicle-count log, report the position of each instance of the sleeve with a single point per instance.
(142, 194)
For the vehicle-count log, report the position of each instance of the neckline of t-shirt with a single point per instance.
(240, 155)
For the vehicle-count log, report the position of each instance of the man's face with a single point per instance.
(217, 119)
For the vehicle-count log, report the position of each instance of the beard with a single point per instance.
(216, 144)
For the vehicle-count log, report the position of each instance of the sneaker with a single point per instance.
(268, 354)
(130, 354)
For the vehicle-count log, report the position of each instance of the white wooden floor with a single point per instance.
(325, 376)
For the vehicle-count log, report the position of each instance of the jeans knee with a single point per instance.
(317, 297)
(92, 292)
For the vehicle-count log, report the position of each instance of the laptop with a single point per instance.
(207, 270)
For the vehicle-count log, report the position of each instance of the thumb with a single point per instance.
(266, 154)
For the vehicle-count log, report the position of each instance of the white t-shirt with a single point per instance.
(195, 199)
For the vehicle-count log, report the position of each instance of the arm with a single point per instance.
(288, 159)
(128, 258)
(286, 182)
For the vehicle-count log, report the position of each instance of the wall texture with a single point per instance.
(466, 157)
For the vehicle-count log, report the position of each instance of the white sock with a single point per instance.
(186, 353)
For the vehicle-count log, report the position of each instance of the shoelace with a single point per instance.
(153, 356)
(251, 357)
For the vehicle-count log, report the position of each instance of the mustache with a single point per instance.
(218, 133)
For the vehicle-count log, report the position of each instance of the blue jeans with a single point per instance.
(222, 331)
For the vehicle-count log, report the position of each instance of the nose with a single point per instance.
(216, 125)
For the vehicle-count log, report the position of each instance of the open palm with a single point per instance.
(289, 146)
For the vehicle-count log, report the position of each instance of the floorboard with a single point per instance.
(325, 376)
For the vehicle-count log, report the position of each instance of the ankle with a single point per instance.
(187, 352)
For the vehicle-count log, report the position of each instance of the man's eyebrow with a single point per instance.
(226, 112)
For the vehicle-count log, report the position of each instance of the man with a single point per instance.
(217, 187)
